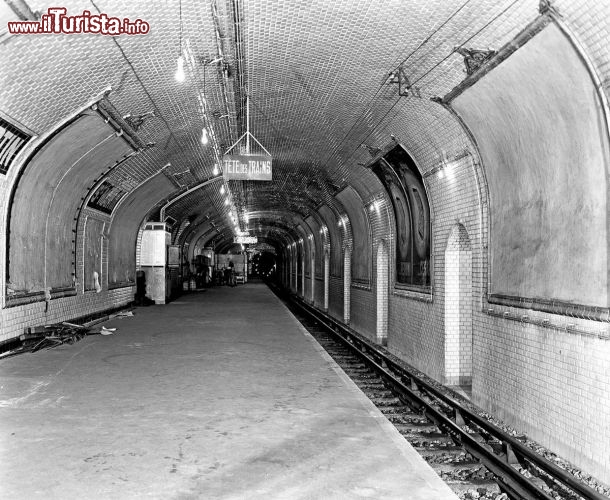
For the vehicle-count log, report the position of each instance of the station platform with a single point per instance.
(217, 395)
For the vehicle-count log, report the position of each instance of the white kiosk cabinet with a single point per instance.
(153, 261)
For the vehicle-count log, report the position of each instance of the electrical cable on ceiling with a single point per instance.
(157, 110)
(464, 43)
(372, 129)
(394, 67)
(221, 54)
(180, 71)
(429, 37)
(240, 63)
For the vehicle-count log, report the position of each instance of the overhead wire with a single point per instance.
(237, 23)
(396, 66)
(129, 63)
(432, 69)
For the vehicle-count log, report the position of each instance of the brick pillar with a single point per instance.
(326, 278)
(347, 284)
(382, 286)
(313, 276)
(296, 271)
(458, 308)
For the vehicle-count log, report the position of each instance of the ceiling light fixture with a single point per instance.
(204, 141)
(180, 71)
(226, 201)
(222, 188)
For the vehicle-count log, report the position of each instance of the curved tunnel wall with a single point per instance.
(436, 138)
(362, 245)
(41, 237)
(317, 278)
(197, 239)
(335, 240)
(93, 253)
(540, 128)
(124, 229)
(332, 225)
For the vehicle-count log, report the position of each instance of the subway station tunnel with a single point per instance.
(439, 183)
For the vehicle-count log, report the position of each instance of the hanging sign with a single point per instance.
(251, 240)
(247, 167)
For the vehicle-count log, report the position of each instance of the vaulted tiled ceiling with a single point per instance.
(316, 73)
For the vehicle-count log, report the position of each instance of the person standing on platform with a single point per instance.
(231, 273)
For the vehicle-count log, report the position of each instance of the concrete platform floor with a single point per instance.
(218, 395)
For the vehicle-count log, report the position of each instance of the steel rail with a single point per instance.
(408, 385)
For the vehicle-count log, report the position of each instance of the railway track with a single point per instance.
(477, 459)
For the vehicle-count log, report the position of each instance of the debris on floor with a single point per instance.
(48, 336)
(35, 338)
(121, 314)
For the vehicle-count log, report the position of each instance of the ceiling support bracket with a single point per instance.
(405, 88)
(474, 59)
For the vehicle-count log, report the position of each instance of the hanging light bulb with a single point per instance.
(180, 70)
(222, 188)
(226, 201)
(205, 140)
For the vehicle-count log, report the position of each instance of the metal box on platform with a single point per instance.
(154, 261)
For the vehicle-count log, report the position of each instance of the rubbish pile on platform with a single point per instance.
(36, 338)
(48, 336)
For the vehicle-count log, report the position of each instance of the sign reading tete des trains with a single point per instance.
(250, 240)
(247, 167)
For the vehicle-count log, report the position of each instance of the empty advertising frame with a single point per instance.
(404, 184)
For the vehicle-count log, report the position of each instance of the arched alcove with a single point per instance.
(458, 308)
(347, 283)
(382, 286)
(326, 277)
